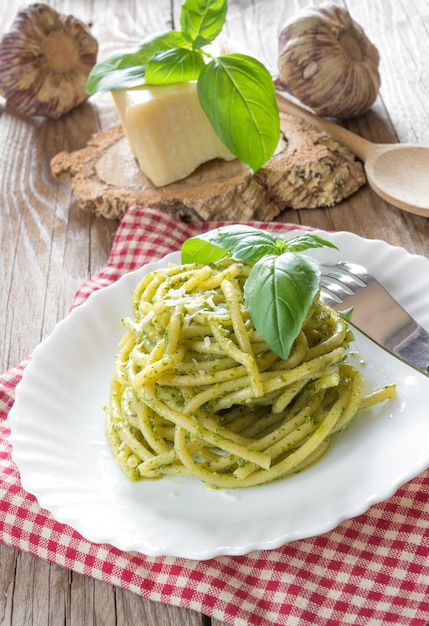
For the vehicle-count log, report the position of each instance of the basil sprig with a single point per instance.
(282, 283)
(236, 91)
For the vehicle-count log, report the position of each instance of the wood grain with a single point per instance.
(49, 246)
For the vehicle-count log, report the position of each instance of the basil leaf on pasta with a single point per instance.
(278, 293)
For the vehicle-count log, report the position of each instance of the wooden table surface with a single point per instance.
(49, 246)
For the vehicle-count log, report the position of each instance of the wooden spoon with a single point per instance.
(398, 173)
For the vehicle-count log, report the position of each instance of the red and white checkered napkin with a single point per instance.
(372, 570)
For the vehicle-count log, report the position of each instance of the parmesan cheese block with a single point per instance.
(167, 130)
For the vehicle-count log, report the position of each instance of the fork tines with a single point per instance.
(342, 280)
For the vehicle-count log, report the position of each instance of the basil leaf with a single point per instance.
(124, 70)
(118, 71)
(237, 94)
(201, 250)
(248, 244)
(215, 244)
(174, 66)
(307, 241)
(202, 20)
(245, 243)
(278, 294)
(348, 314)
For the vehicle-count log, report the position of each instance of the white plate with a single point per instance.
(59, 445)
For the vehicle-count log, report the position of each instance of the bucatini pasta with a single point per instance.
(196, 391)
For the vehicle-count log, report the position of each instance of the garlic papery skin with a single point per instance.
(328, 63)
(45, 60)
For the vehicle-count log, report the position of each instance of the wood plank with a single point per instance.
(34, 592)
(131, 609)
(404, 65)
(8, 558)
(31, 593)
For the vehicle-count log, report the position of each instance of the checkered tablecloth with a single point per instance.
(372, 570)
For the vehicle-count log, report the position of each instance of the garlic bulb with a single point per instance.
(45, 60)
(328, 63)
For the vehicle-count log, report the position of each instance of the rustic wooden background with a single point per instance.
(49, 246)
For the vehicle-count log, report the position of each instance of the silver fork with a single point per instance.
(348, 286)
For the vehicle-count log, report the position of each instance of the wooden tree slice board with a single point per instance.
(309, 170)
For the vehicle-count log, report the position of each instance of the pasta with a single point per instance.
(196, 391)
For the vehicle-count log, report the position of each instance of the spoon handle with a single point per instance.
(359, 146)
